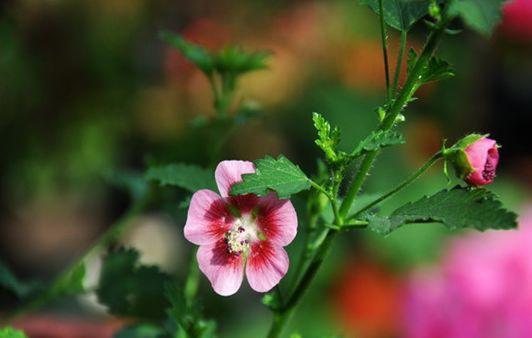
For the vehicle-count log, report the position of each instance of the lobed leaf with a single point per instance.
(328, 138)
(455, 208)
(186, 176)
(279, 175)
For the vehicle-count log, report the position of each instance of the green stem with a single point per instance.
(282, 315)
(401, 186)
(399, 64)
(359, 179)
(355, 224)
(384, 51)
(109, 236)
(412, 81)
(192, 281)
(397, 106)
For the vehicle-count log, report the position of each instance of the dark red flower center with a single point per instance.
(491, 164)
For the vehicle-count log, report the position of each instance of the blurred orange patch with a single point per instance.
(367, 301)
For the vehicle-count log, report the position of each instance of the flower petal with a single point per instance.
(477, 153)
(224, 270)
(267, 263)
(208, 218)
(482, 155)
(230, 172)
(277, 219)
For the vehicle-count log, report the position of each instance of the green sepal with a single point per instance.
(457, 156)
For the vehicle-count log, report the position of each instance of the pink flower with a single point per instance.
(482, 290)
(483, 157)
(517, 21)
(240, 232)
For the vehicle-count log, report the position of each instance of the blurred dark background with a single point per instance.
(87, 87)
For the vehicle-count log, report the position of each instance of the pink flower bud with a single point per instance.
(483, 157)
(474, 159)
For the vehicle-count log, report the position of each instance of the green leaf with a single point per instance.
(279, 175)
(456, 208)
(436, 70)
(376, 140)
(233, 59)
(140, 331)
(480, 15)
(130, 289)
(328, 138)
(400, 14)
(186, 176)
(9, 332)
(196, 54)
(10, 282)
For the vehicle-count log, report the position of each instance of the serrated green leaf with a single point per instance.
(480, 15)
(377, 140)
(456, 208)
(196, 54)
(279, 175)
(9, 332)
(130, 289)
(328, 138)
(186, 176)
(400, 14)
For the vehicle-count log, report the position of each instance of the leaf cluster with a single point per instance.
(481, 16)
(130, 289)
(181, 321)
(230, 59)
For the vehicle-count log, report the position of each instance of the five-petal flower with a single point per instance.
(240, 233)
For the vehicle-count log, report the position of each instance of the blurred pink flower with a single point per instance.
(517, 22)
(234, 232)
(482, 290)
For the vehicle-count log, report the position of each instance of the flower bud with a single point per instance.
(474, 159)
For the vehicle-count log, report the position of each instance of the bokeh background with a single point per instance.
(88, 88)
